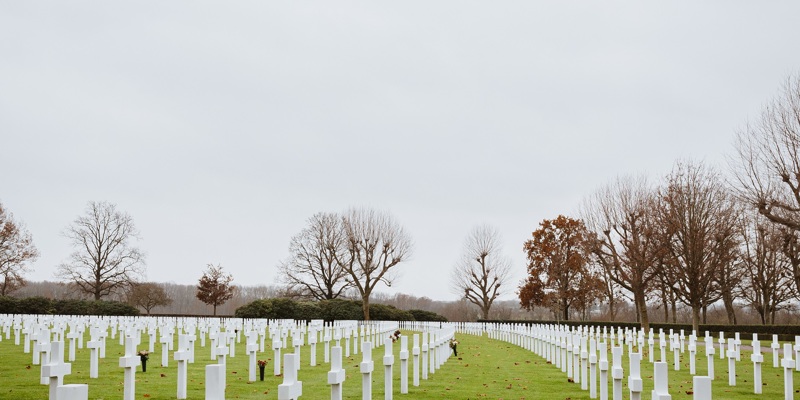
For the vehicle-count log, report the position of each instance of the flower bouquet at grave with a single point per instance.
(454, 345)
(261, 365)
(395, 336)
(144, 355)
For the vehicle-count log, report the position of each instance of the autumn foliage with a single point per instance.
(559, 274)
(214, 287)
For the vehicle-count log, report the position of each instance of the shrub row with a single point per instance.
(765, 332)
(329, 310)
(43, 305)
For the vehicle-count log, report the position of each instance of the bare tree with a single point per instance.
(214, 287)
(766, 278)
(374, 244)
(312, 269)
(105, 260)
(483, 269)
(148, 295)
(767, 168)
(16, 251)
(629, 245)
(700, 219)
(767, 162)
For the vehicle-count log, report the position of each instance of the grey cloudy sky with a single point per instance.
(220, 127)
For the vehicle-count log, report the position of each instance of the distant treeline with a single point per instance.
(43, 305)
(330, 310)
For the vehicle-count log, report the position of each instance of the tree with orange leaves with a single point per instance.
(559, 276)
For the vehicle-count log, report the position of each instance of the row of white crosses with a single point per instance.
(566, 349)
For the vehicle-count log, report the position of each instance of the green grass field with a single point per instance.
(485, 368)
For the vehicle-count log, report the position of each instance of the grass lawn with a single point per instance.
(484, 369)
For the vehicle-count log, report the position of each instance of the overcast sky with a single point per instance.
(221, 127)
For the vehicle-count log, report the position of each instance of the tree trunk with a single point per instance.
(727, 299)
(641, 308)
(215, 310)
(705, 313)
(365, 307)
(674, 306)
(611, 309)
(696, 318)
(485, 312)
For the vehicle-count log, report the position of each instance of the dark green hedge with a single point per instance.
(422, 315)
(43, 305)
(765, 332)
(328, 310)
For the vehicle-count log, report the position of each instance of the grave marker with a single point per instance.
(661, 382)
(635, 378)
(603, 371)
(415, 353)
(291, 388)
(702, 388)
(388, 363)
(616, 371)
(403, 364)
(731, 362)
(757, 359)
(215, 382)
(129, 361)
(56, 369)
(336, 375)
(788, 369)
(367, 366)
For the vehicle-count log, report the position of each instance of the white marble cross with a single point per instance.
(165, 341)
(424, 355)
(388, 363)
(291, 388)
(43, 347)
(635, 377)
(327, 339)
(129, 361)
(676, 355)
(788, 365)
(73, 337)
(603, 371)
(776, 348)
(56, 368)
(757, 358)
(661, 382)
(592, 369)
(616, 371)
(336, 375)
(93, 345)
(403, 364)
(692, 353)
(584, 362)
(710, 355)
(312, 340)
(415, 351)
(182, 357)
(297, 342)
(731, 362)
(366, 367)
(277, 344)
(252, 348)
